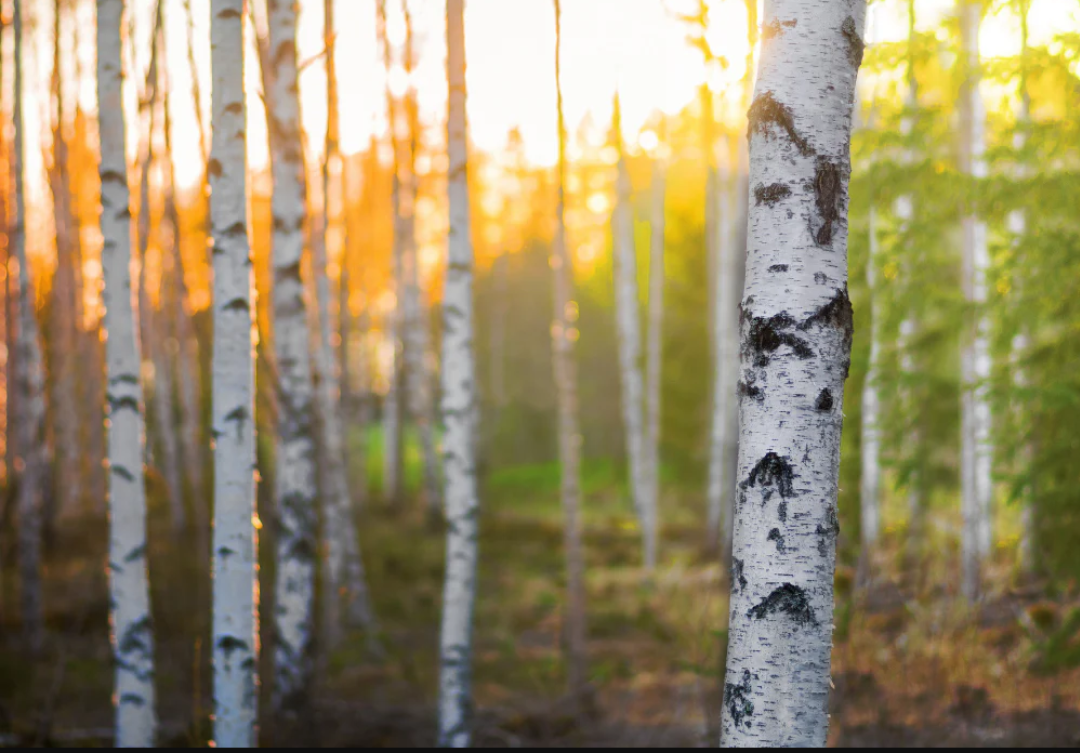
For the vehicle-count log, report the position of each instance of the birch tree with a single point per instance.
(392, 429)
(458, 412)
(295, 471)
(975, 481)
(564, 335)
(628, 321)
(132, 636)
(345, 567)
(796, 332)
(63, 321)
(654, 340)
(235, 538)
(29, 387)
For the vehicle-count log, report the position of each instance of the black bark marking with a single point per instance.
(290, 273)
(837, 313)
(773, 471)
(855, 44)
(135, 554)
(133, 638)
(238, 414)
(226, 552)
(122, 472)
(827, 533)
(766, 335)
(234, 108)
(213, 168)
(237, 304)
(766, 112)
(774, 535)
(787, 599)
(123, 403)
(748, 390)
(229, 643)
(828, 195)
(737, 576)
(112, 176)
(824, 401)
(772, 195)
(133, 699)
(778, 268)
(737, 700)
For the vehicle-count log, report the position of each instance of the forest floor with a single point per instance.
(911, 666)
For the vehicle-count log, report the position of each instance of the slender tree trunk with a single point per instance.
(64, 322)
(796, 334)
(628, 321)
(392, 413)
(133, 646)
(418, 384)
(345, 568)
(296, 471)
(458, 413)
(976, 453)
(235, 536)
(654, 344)
(870, 471)
(29, 387)
(1017, 226)
(564, 335)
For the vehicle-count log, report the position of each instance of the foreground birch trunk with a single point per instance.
(458, 413)
(654, 342)
(975, 479)
(564, 334)
(796, 332)
(346, 571)
(29, 387)
(235, 538)
(295, 473)
(628, 325)
(132, 637)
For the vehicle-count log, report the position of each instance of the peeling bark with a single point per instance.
(796, 331)
(132, 634)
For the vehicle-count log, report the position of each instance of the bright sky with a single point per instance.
(633, 45)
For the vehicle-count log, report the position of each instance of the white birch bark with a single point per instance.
(976, 487)
(132, 636)
(796, 332)
(563, 335)
(1016, 224)
(870, 470)
(64, 323)
(418, 380)
(295, 472)
(458, 413)
(345, 569)
(628, 327)
(29, 387)
(654, 343)
(235, 537)
(392, 414)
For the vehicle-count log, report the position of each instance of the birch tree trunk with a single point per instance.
(796, 332)
(29, 386)
(295, 472)
(235, 536)
(418, 384)
(976, 487)
(628, 321)
(1017, 226)
(564, 335)
(63, 320)
(345, 568)
(132, 635)
(458, 413)
(870, 471)
(392, 429)
(654, 343)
